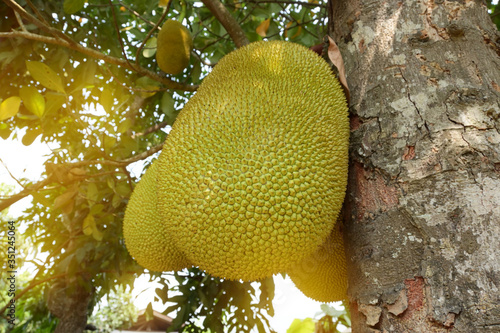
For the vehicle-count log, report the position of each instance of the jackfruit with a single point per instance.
(174, 45)
(322, 276)
(145, 238)
(253, 173)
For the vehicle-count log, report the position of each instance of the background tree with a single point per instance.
(423, 206)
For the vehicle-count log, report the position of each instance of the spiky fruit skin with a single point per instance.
(143, 230)
(322, 276)
(253, 173)
(174, 45)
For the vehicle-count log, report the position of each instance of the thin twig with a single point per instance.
(228, 22)
(309, 4)
(98, 55)
(37, 12)
(135, 13)
(151, 129)
(20, 21)
(117, 28)
(151, 32)
(124, 85)
(204, 62)
(10, 173)
(53, 178)
(45, 27)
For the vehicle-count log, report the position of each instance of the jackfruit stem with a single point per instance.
(228, 22)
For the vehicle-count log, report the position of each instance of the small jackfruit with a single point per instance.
(174, 45)
(253, 173)
(145, 237)
(322, 276)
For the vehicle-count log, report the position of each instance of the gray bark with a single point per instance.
(422, 217)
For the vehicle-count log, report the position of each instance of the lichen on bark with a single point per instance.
(423, 204)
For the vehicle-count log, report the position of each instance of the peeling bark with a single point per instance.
(422, 215)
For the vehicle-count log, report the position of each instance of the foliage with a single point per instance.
(327, 323)
(119, 311)
(82, 76)
(226, 306)
(494, 10)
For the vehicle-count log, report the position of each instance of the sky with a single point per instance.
(27, 162)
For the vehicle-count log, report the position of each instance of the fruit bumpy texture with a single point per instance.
(174, 45)
(253, 174)
(144, 234)
(322, 276)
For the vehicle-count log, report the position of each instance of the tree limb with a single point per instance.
(98, 55)
(52, 177)
(63, 40)
(115, 22)
(152, 129)
(228, 22)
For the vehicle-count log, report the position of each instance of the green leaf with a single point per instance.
(107, 100)
(88, 225)
(149, 49)
(45, 75)
(149, 312)
(123, 189)
(149, 84)
(331, 311)
(64, 198)
(84, 76)
(117, 199)
(33, 100)
(31, 135)
(92, 192)
(167, 106)
(301, 326)
(162, 294)
(5, 133)
(90, 228)
(9, 107)
(54, 102)
(97, 234)
(109, 142)
(73, 6)
(124, 126)
(196, 73)
(96, 209)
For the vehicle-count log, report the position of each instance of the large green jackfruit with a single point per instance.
(145, 236)
(174, 45)
(252, 176)
(322, 276)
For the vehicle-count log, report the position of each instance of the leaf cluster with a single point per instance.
(329, 320)
(202, 302)
(494, 10)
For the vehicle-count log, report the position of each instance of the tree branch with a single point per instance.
(28, 288)
(98, 55)
(65, 41)
(24, 193)
(228, 22)
(299, 3)
(115, 22)
(53, 177)
(152, 129)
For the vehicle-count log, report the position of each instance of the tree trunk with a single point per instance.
(422, 217)
(69, 302)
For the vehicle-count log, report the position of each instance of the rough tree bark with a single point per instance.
(422, 217)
